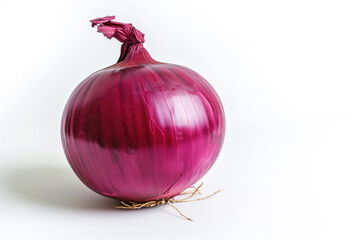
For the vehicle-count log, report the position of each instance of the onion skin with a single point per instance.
(142, 130)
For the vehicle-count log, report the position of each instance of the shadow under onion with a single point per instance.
(55, 187)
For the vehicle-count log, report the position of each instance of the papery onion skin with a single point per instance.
(142, 130)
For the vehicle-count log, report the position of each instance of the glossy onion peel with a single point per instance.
(141, 130)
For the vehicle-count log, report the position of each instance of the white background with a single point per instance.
(288, 75)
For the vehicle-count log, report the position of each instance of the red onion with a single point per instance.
(140, 129)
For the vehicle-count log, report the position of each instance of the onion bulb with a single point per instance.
(141, 130)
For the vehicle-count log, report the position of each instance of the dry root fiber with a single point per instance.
(192, 192)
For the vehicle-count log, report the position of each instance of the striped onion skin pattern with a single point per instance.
(142, 130)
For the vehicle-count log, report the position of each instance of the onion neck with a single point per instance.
(133, 54)
(132, 49)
